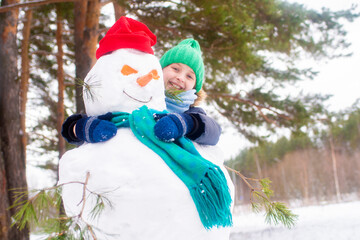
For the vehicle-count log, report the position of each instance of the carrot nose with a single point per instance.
(144, 80)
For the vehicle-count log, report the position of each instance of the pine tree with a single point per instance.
(12, 158)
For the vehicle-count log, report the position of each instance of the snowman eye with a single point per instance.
(127, 70)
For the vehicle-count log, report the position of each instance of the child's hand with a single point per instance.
(173, 126)
(95, 129)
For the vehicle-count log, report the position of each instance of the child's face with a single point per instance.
(178, 76)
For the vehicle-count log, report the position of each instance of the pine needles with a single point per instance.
(276, 212)
(88, 86)
(173, 94)
(42, 210)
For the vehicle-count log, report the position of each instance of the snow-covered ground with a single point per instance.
(326, 222)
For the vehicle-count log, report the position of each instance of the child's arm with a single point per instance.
(206, 130)
(193, 123)
(67, 129)
(79, 128)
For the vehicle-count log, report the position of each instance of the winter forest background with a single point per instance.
(253, 52)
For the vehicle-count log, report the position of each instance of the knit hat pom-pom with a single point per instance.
(191, 43)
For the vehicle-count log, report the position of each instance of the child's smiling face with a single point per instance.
(178, 76)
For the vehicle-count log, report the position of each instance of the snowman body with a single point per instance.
(146, 199)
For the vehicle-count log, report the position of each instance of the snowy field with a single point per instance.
(327, 222)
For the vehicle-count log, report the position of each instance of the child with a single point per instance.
(183, 70)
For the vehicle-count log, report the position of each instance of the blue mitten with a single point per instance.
(95, 129)
(173, 126)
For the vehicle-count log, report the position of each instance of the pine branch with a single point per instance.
(88, 86)
(173, 94)
(39, 206)
(15, 6)
(276, 212)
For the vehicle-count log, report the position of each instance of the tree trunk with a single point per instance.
(234, 180)
(284, 182)
(60, 77)
(25, 74)
(87, 14)
(119, 10)
(4, 200)
(12, 158)
(334, 168)
(60, 104)
(304, 163)
(256, 158)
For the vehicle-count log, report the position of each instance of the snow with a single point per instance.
(324, 222)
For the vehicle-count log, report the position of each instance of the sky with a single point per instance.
(338, 77)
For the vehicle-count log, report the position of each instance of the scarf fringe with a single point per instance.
(212, 199)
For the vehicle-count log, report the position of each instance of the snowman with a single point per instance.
(148, 197)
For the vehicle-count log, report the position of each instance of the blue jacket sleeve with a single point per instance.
(67, 129)
(206, 130)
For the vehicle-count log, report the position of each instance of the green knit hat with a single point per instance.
(187, 52)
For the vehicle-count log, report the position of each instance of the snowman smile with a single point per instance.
(138, 100)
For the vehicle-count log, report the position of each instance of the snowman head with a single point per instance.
(126, 75)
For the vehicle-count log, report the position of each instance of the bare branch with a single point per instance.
(43, 53)
(259, 107)
(84, 194)
(242, 177)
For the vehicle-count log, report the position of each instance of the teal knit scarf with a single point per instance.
(205, 180)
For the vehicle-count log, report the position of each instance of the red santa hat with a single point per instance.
(127, 33)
